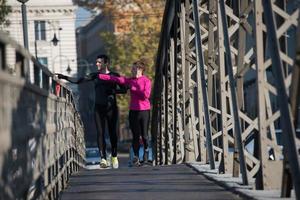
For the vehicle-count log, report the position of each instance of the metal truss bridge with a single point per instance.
(226, 94)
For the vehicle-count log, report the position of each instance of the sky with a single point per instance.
(82, 17)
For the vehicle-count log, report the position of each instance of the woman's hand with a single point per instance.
(102, 76)
(135, 87)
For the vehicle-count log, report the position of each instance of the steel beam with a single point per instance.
(200, 65)
(287, 124)
(229, 67)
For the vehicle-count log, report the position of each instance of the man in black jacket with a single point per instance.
(106, 109)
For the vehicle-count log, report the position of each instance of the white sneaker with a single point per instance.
(114, 162)
(103, 163)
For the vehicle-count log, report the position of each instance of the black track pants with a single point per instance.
(109, 116)
(139, 124)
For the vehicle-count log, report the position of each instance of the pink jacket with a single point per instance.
(140, 89)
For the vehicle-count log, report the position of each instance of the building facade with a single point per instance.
(89, 42)
(47, 21)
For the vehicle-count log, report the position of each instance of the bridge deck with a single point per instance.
(147, 182)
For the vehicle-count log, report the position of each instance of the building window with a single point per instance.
(40, 30)
(43, 61)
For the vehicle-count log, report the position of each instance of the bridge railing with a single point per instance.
(42, 141)
(226, 89)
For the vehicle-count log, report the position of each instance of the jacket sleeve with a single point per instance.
(120, 80)
(86, 78)
(120, 89)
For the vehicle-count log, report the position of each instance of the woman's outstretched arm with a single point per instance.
(119, 89)
(117, 79)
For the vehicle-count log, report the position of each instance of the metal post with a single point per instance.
(25, 37)
(283, 99)
(182, 75)
(187, 65)
(35, 49)
(175, 112)
(166, 106)
(240, 81)
(200, 64)
(237, 125)
(60, 64)
(225, 166)
(24, 22)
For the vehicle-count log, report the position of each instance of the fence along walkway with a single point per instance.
(41, 133)
(238, 108)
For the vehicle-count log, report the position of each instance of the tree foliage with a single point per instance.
(141, 42)
(109, 6)
(142, 39)
(4, 11)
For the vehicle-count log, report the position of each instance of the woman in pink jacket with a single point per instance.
(139, 109)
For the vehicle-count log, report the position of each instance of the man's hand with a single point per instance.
(60, 76)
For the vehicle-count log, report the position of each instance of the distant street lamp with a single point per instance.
(24, 22)
(84, 62)
(84, 67)
(66, 58)
(69, 69)
(22, 1)
(54, 40)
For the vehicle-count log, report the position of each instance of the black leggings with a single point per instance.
(109, 116)
(139, 124)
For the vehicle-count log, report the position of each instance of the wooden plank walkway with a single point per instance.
(142, 183)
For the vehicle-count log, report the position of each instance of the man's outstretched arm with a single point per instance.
(86, 78)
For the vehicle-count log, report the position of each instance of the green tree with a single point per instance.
(4, 11)
(142, 39)
(141, 42)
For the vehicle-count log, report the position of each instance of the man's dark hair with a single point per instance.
(104, 57)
